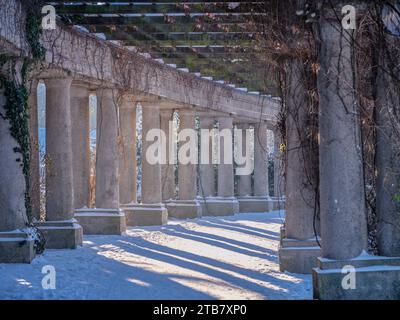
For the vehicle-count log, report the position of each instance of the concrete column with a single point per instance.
(260, 200)
(225, 203)
(151, 211)
(127, 161)
(342, 200)
(12, 198)
(151, 173)
(298, 250)
(207, 173)
(244, 188)
(279, 176)
(60, 228)
(187, 205)
(80, 144)
(225, 170)
(168, 169)
(107, 159)
(34, 176)
(187, 173)
(59, 175)
(261, 188)
(107, 217)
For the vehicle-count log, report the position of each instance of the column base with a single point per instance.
(101, 221)
(219, 206)
(61, 234)
(298, 256)
(184, 209)
(255, 204)
(16, 247)
(146, 214)
(376, 278)
(278, 203)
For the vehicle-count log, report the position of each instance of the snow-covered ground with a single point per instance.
(209, 258)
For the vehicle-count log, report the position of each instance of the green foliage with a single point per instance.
(396, 198)
(14, 84)
(16, 112)
(33, 29)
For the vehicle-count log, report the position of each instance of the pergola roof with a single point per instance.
(208, 37)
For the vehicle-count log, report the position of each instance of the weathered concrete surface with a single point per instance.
(107, 153)
(255, 204)
(34, 174)
(61, 234)
(342, 197)
(297, 253)
(261, 187)
(342, 200)
(298, 256)
(16, 247)
(376, 278)
(207, 172)
(59, 174)
(244, 188)
(12, 186)
(217, 206)
(225, 170)
(146, 215)
(301, 175)
(168, 170)
(80, 144)
(127, 160)
(184, 209)
(279, 174)
(101, 221)
(151, 211)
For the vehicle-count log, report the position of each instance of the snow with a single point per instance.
(208, 258)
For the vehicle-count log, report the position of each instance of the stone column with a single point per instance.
(299, 249)
(207, 174)
(80, 144)
(60, 228)
(244, 184)
(127, 161)
(279, 178)
(260, 202)
(342, 201)
(206, 181)
(34, 176)
(151, 211)
(168, 169)
(107, 217)
(244, 188)
(225, 203)
(187, 205)
(15, 246)
(261, 184)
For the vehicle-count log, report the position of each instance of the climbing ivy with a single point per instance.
(33, 29)
(16, 91)
(16, 95)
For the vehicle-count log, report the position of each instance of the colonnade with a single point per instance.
(173, 189)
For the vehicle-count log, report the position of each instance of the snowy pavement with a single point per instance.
(209, 258)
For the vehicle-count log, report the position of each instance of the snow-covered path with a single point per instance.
(209, 258)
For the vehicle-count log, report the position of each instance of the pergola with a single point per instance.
(217, 39)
